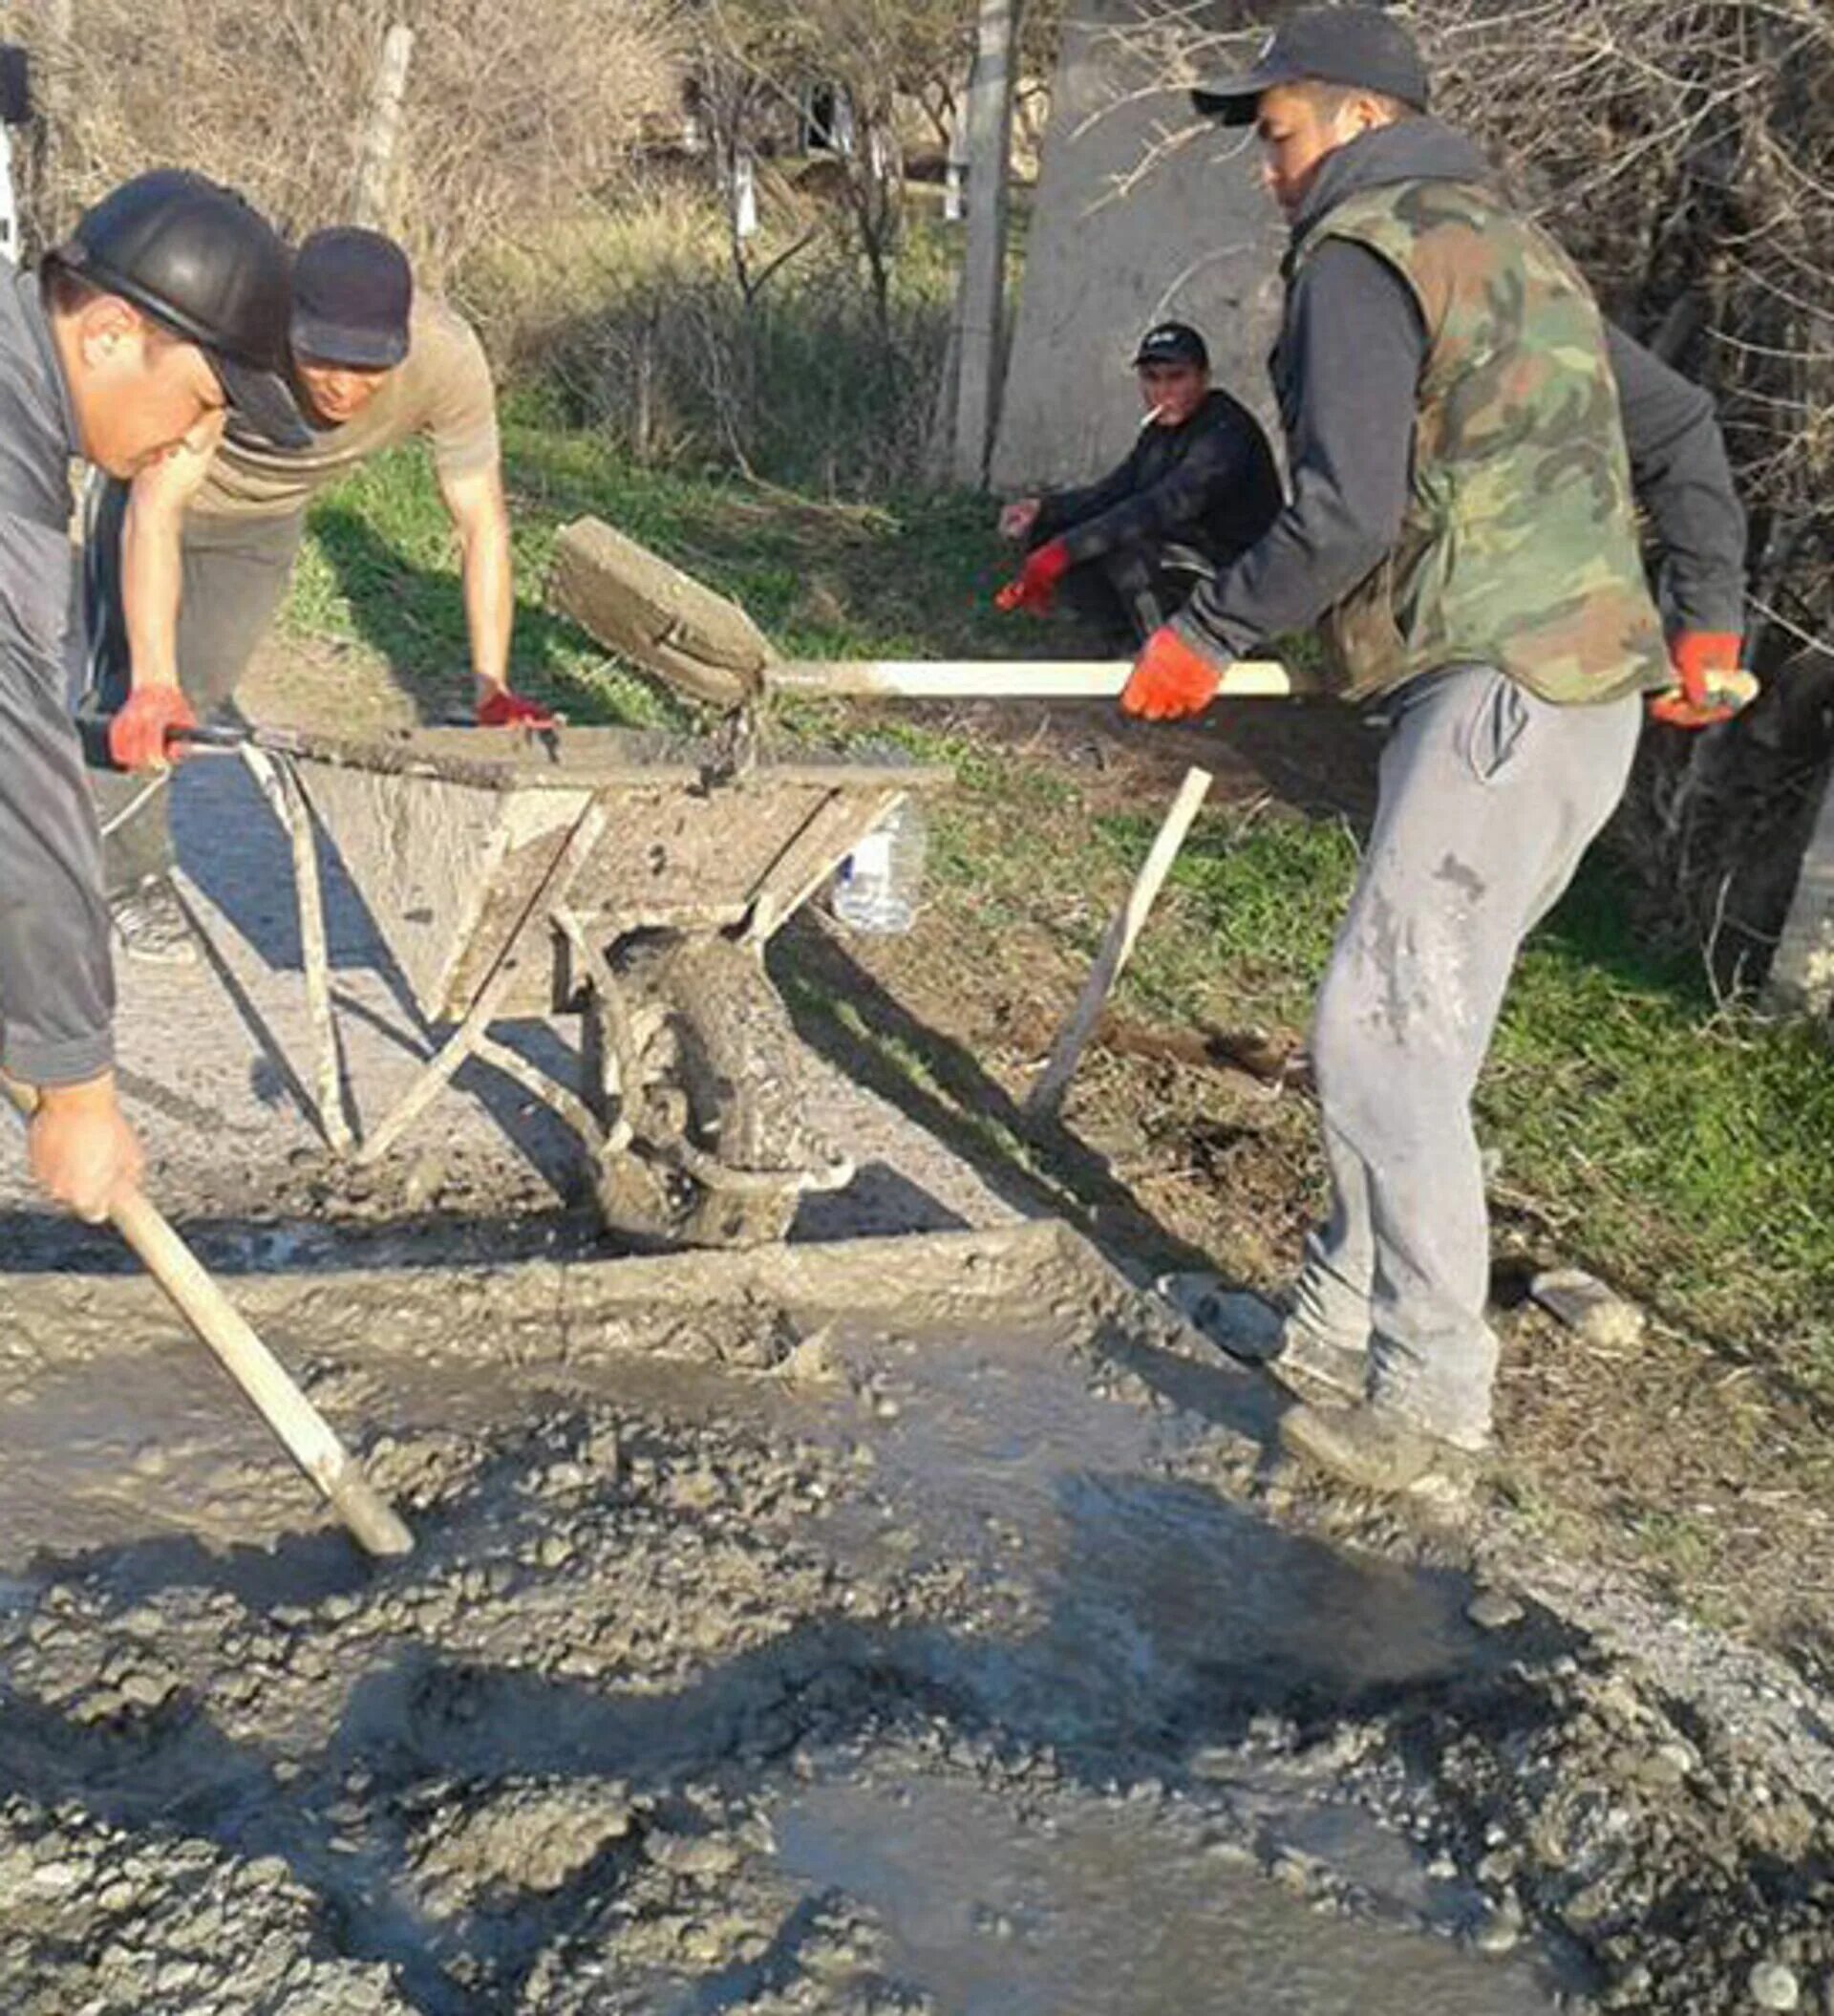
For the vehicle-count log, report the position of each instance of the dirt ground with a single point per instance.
(866, 1625)
(899, 1627)
(1684, 1461)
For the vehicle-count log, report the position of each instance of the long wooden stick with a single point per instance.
(1000, 679)
(1046, 1096)
(301, 1429)
(280, 786)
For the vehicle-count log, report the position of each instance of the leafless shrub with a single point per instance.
(633, 312)
(512, 108)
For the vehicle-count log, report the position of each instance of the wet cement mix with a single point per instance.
(905, 1626)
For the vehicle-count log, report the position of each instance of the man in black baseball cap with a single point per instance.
(1468, 442)
(167, 302)
(176, 612)
(1362, 48)
(1198, 485)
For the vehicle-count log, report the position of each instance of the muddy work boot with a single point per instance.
(1376, 1450)
(150, 925)
(1308, 1363)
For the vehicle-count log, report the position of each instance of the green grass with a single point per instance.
(911, 576)
(1683, 1151)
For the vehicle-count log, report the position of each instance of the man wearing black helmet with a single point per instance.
(189, 565)
(167, 304)
(1198, 486)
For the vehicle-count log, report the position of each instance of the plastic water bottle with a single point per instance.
(878, 887)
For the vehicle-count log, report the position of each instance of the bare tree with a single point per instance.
(511, 108)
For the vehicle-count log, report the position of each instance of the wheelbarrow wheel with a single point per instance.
(654, 1208)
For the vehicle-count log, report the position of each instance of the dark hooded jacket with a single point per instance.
(1346, 374)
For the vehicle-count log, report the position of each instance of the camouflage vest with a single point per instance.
(1519, 547)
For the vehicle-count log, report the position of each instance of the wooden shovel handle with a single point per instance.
(301, 1429)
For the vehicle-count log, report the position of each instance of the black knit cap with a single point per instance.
(198, 260)
(353, 295)
(1362, 47)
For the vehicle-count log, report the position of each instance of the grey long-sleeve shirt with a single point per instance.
(56, 988)
(1353, 346)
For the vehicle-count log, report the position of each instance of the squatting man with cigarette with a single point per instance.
(1198, 486)
(1465, 435)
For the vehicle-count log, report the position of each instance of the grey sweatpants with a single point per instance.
(236, 573)
(1488, 798)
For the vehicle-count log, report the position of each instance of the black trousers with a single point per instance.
(1123, 595)
(236, 573)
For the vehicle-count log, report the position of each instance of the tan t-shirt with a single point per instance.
(442, 389)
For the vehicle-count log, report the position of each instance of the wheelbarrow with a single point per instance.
(626, 878)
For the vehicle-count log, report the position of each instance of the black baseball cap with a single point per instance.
(1363, 47)
(198, 259)
(353, 294)
(1172, 343)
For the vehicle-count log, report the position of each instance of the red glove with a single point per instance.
(1710, 686)
(1037, 584)
(1170, 681)
(137, 734)
(499, 708)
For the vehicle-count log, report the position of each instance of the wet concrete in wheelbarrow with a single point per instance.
(908, 1626)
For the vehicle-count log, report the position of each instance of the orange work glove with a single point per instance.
(1170, 681)
(136, 736)
(1710, 686)
(499, 708)
(1036, 587)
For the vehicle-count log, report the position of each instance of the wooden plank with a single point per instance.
(1002, 679)
(1046, 1096)
(650, 611)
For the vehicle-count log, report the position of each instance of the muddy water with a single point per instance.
(876, 1644)
(1116, 1914)
(1145, 1617)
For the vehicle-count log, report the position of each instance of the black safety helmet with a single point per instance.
(200, 261)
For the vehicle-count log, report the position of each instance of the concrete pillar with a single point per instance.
(980, 319)
(1123, 234)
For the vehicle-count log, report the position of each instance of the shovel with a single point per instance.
(302, 1430)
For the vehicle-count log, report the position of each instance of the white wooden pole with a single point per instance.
(301, 1429)
(999, 679)
(1046, 1096)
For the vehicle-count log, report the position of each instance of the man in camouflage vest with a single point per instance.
(1467, 443)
